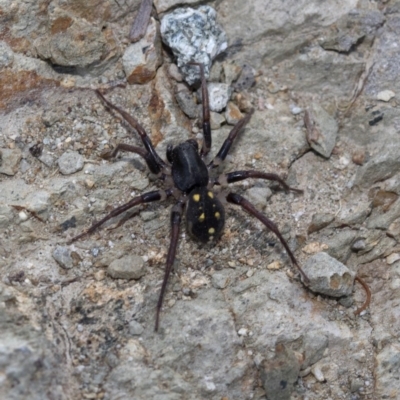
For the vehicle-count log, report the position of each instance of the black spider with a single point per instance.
(187, 179)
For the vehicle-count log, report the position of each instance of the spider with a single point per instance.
(187, 179)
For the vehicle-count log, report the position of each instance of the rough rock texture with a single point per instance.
(328, 276)
(193, 36)
(236, 317)
(142, 59)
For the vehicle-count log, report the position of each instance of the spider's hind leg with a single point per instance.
(239, 200)
(237, 176)
(176, 217)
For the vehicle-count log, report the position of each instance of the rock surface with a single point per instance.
(228, 308)
(193, 36)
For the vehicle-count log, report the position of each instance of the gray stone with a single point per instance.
(148, 215)
(385, 95)
(127, 267)
(221, 279)
(339, 245)
(193, 36)
(320, 221)
(216, 120)
(6, 215)
(314, 345)
(47, 159)
(62, 255)
(141, 59)
(70, 162)
(259, 195)
(346, 301)
(382, 220)
(39, 202)
(354, 211)
(6, 55)
(322, 130)
(328, 276)
(279, 373)
(219, 94)
(383, 165)
(246, 79)
(356, 384)
(135, 329)
(9, 161)
(365, 241)
(388, 365)
(186, 101)
(174, 73)
(379, 249)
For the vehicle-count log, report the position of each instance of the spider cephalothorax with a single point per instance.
(187, 179)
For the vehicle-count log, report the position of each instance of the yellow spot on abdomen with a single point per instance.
(210, 195)
(196, 197)
(202, 217)
(211, 231)
(217, 215)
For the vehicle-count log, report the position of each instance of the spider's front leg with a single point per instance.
(239, 200)
(153, 160)
(176, 217)
(226, 146)
(206, 147)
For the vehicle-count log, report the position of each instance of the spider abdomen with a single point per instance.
(205, 215)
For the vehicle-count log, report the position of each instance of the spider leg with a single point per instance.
(246, 205)
(176, 217)
(156, 159)
(148, 197)
(150, 161)
(205, 149)
(237, 176)
(226, 146)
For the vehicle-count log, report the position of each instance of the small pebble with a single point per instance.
(216, 120)
(392, 258)
(23, 216)
(385, 95)
(328, 275)
(135, 329)
(219, 94)
(295, 109)
(316, 371)
(243, 332)
(9, 161)
(174, 73)
(70, 162)
(62, 255)
(220, 280)
(128, 267)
